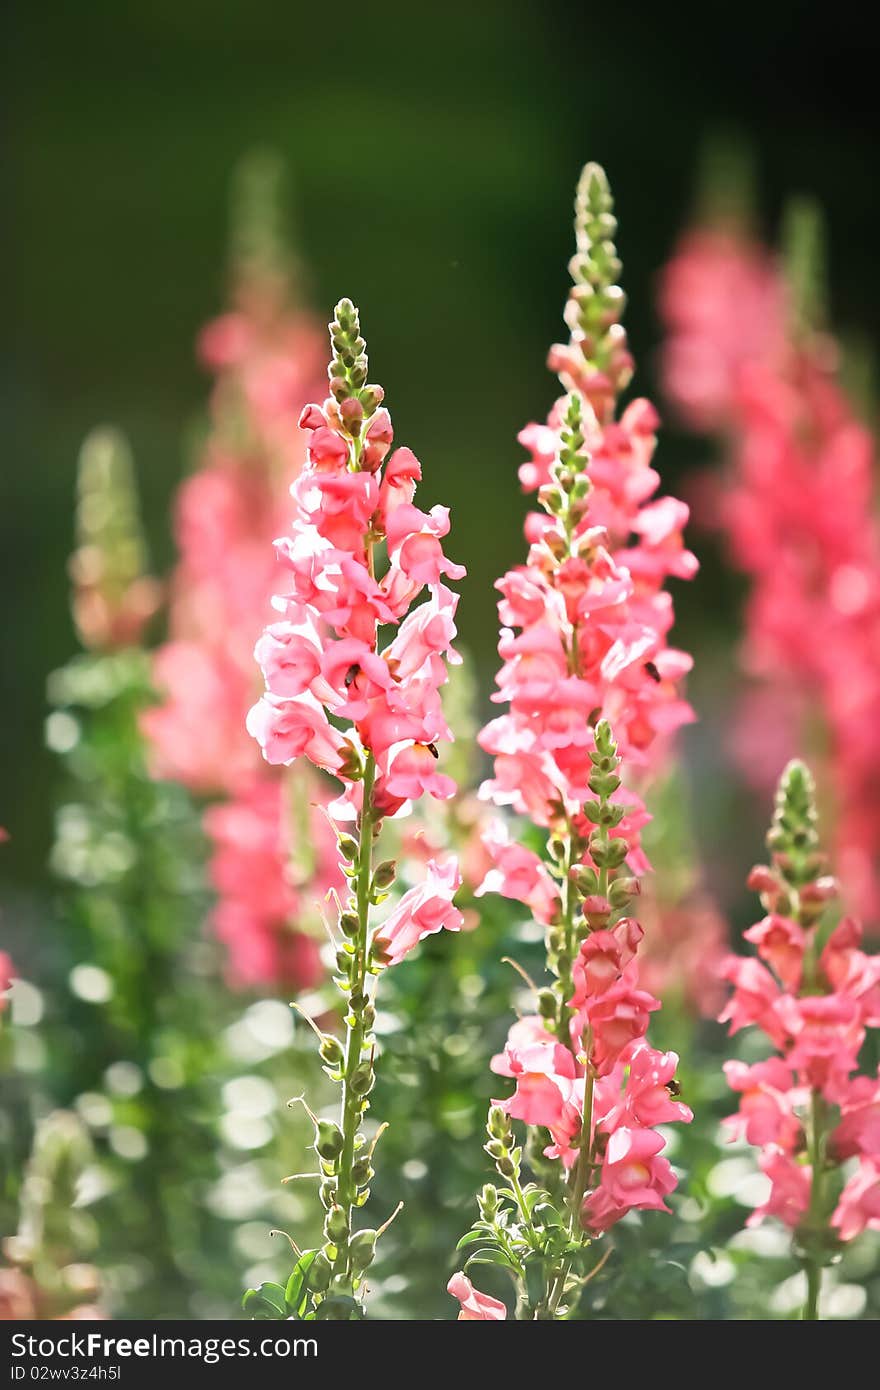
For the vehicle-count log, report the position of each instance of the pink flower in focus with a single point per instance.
(421, 911)
(475, 1306)
(633, 1176)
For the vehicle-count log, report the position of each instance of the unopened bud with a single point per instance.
(497, 1122)
(336, 1225)
(487, 1201)
(362, 1079)
(329, 1140)
(331, 1051)
(320, 1273)
(385, 875)
(762, 879)
(362, 1248)
(597, 911)
(622, 889)
(585, 880)
(351, 413)
(547, 1003)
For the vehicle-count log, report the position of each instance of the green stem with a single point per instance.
(585, 1157)
(352, 1104)
(815, 1213)
(569, 948)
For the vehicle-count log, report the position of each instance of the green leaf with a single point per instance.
(533, 1196)
(536, 1281)
(265, 1302)
(294, 1294)
(471, 1238)
(546, 1215)
(492, 1257)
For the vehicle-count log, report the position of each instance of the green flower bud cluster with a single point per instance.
(594, 894)
(796, 883)
(357, 401)
(565, 496)
(793, 837)
(501, 1147)
(596, 302)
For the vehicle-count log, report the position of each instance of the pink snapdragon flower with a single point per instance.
(421, 911)
(634, 1176)
(807, 1109)
(475, 1306)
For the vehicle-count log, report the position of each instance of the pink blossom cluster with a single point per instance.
(586, 620)
(265, 361)
(722, 300)
(806, 1107)
(632, 1085)
(585, 623)
(799, 512)
(800, 516)
(373, 718)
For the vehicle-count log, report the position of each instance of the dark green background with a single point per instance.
(435, 151)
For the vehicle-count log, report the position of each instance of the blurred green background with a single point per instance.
(434, 154)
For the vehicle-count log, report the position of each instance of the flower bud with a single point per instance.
(487, 1200)
(331, 1051)
(622, 889)
(336, 1225)
(762, 879)
(363, 1079)
(497, 1123)
(320, 1273)
(351, 413)
(597, 911)
(329, 1140)
(585, 880)
(362, 1171)
(361, 1249)
(547, 1003)
(311, 418)
(385, 875)
(348, 923)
